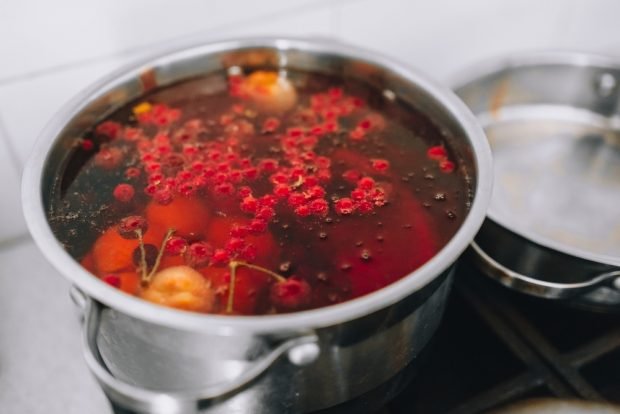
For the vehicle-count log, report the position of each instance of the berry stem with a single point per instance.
(231, 287)
(233, 265)
(142, 256)
(160, 253)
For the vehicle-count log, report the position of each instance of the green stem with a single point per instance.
(160, 253)
(233, 265)
(231, 286)
(142, 256)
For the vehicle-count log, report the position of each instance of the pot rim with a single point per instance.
(522, 60)
(293, 322)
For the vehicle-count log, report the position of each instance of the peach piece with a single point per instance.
(130, 282)
(188, 216)
(112, 253)
(271, 92)
(180, 287)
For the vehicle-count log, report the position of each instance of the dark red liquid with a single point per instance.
(328, 197)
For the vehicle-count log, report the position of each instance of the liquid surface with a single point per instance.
(257, 193)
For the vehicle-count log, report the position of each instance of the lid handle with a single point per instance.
(536, 287)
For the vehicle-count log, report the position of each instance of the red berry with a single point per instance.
(380, 165)
(186, 189)
(303, 210)
(295, 132)
(109, 129)
(344, 206)
(364, 206)
(270, 125)
(446, 166)
(358, 194)
(235, 245)
(437, 152)
(291, 294)
(112, 280)
(296, 199)
(322, 162)
(357, 134)
(250, 173)
(124, 192)
(132, 134)
(199, 254)
(315, 192)
(220, 257)
(279, 178)
(87, 144)
(249, 252)
(108, 158)
(249, 204)
(129, 226)
(244, 191)
(319, 207)
(268, 165)
(281, 190)
(365, 124)
(265, 213)
(238, 230)
(366, 183)
(175, 246)
(132, 172)
(224, 189)
(163, 196)
(152, 167)
(258, 226)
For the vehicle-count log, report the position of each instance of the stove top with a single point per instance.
(496, 347)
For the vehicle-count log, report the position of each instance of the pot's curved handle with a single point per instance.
(536, 287)
(300, 351)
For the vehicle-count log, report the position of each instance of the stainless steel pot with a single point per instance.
(553, 227)
(160, 360)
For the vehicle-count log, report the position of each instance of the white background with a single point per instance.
(49, 50)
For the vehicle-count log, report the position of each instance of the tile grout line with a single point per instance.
(316, 5)
(15, 241)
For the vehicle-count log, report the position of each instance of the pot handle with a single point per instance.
(536, 287)
(300, 350)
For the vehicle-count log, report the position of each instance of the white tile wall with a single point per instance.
(40, 34)
(11, 220)
(51, 50)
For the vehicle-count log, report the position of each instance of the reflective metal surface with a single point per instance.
(154, 359)
(553, 124)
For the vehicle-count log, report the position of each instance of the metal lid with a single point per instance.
(553, 124)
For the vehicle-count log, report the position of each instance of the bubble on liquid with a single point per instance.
(380, 238)
(429, 177)
(345, 266)
(407, 226)
(322, 235)
(440, 196)
(426, 204)
(365, 255)
(285, 267)
(322, 276)
(451, 214)
(329, 220)
(359, 243)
